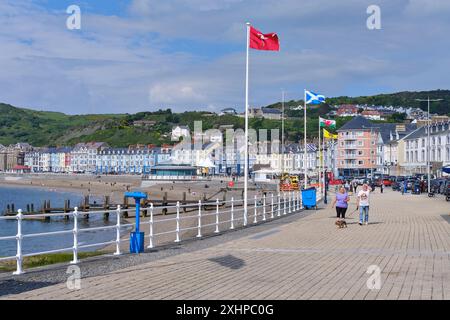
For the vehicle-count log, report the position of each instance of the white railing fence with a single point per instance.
(209, 217)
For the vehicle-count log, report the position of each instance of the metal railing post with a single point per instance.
(19, 238)
(264, 207)
(150, 245)
(217, 216)
(232, 213)
(75, 236)
(178, 222)
(284, 203)
(289, 201)
(199, 234)
(255, 219)
(294, 206)
(298, 200)
(245, 213)
(271, 213)
(279, 205)
(118, 231)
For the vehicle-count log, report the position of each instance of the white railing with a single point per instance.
(173, 227)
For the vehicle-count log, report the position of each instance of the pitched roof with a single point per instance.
(357, 123)
(270, 110)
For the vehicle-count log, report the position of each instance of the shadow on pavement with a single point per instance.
(229, 261)
(12, 286)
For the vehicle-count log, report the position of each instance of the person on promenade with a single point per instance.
(341, 203)
(363, 205)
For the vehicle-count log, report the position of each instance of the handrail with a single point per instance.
(263, 208)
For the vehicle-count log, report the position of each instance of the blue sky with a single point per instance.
(142, 55)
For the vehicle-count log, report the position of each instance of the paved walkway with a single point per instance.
(408, 239)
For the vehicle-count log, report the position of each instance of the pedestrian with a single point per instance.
(402, 187)
(363, 205)
(381, 187)
(347, 186)
(341, 203)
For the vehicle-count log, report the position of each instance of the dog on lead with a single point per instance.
(341, 224)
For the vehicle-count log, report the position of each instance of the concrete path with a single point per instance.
(408, 239)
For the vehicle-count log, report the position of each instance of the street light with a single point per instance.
(428, 138)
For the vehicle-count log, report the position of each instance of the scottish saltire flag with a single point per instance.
(314, 98)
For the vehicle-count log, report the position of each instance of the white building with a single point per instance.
(84, 156)
(414, 157)
(180, 131)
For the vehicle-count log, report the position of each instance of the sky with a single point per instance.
(145, 55)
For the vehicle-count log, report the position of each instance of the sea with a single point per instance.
(21, 196)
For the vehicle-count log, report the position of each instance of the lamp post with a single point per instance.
(428, 138)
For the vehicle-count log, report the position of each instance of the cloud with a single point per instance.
(191, 54)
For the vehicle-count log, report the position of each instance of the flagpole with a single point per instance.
(320, 160)
(305, 151)
(323, 165)
(246, 128)
(282, 132)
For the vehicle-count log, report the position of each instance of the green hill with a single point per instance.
(41, 128)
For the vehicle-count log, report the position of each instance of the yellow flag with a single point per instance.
(328, 135)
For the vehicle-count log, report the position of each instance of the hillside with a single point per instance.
(40, 128)
(399, 99)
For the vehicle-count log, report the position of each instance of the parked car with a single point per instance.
(395, 186)
(387, 182)
(410, 183)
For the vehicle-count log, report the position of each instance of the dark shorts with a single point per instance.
(340, 212)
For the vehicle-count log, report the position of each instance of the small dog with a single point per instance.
(341, 224)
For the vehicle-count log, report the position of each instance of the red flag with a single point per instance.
(260, 41)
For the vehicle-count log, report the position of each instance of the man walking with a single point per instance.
(363, 205)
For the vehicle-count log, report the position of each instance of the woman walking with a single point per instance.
(341, 202)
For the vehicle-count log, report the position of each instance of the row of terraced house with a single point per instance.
(392, 148)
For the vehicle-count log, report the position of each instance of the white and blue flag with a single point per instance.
(314, 98)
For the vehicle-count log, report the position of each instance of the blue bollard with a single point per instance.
(137, 237)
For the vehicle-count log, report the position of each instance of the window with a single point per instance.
(423, 143)
(360, 162)
(360, 153)
(360, 143)
(423, 156)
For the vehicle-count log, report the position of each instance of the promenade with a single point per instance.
(408, 238)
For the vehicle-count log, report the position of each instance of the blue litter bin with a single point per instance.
(137, 237)
(309, 198)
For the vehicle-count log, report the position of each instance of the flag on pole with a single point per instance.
(328, 135)
(314, 98)
(260, 41)
(325, 123)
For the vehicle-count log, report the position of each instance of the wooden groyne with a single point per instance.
(160, 205)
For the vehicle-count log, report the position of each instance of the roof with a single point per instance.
(173, 167)
(385, 129)
(270, 110)
(421, 132)
(357, 123)
(181, 127)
